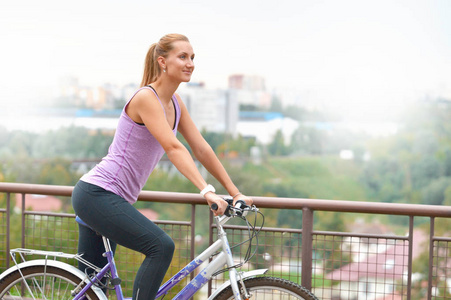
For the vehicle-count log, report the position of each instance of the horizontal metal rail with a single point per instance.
(418, 210)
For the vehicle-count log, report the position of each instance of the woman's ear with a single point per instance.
(162, 62)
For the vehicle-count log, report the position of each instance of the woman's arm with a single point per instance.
(205, 154)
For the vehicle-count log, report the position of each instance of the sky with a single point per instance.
(364, 57)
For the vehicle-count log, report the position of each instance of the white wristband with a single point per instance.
(208, 188)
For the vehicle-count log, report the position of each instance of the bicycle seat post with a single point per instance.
(106, 243)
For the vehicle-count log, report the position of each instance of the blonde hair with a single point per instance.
(162, 48)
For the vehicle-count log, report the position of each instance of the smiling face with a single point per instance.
(179, 64)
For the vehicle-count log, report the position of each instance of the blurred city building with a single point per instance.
(249, 90)
(70, 93)
(211, 109)
(264, 126)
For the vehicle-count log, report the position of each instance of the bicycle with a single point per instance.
(52, 279)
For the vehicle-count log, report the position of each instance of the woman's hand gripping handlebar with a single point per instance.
(236, 208)
(221, 205)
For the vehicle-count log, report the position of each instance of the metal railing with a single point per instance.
(334, 265)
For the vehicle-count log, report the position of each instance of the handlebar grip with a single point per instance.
(240, 204)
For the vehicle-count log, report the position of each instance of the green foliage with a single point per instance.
(424, 170)
(444, 155)
(307, 140)
(277, 147)
(321, 139)
(447, 194)
(289, 218)
(330, 221)
(313, 177)
(384, 178)
(296, 113)
(434, 192)
(302, 177)
(413, 166)
(57, 172)
(161, 181)
(68, 142)
(2, 176)
(215, 140)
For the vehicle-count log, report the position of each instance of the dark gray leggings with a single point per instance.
(113, 217)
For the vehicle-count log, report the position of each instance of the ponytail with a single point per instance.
(151, 67)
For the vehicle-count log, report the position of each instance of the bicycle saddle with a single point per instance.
(81, 222)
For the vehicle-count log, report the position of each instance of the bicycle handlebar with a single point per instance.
(238, 208)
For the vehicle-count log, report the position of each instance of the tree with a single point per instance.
(290, 218)
(276, 104)
(425, 170)
(277, 147)
(447, 195)
(295, 112)
(384, 177)
(435, 192)
(57, 172)
(445, 158)
(306, 140)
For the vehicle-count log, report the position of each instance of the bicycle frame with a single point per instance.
(224, 257)
(220, 246)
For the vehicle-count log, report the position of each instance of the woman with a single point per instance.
(146, 130)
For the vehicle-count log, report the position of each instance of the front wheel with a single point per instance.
(269, 288)
(41, 282)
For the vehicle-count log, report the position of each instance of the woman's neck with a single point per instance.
(165, 89)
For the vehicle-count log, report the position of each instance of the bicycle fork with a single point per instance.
(232, 272)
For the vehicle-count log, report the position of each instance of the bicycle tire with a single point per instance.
(45, 282)
(269, 288)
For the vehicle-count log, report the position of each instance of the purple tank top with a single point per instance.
(132, 156)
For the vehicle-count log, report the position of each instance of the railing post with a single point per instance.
(431, 257)
(410, 259)
(193, 233)
(8, 227)
(210, 241)
(307, 244)
(23, 220)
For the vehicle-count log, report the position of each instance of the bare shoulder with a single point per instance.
(143, 95)
(142, 104)
(144, 98)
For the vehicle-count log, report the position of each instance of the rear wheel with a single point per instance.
(272, 288)
(41, 282)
